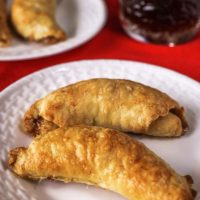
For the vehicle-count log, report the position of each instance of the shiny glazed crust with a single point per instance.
(113, 103)
(102, 157)
(35, 20)
(5, 35)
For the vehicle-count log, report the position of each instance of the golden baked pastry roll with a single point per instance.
(113, 103)
(5, 35)
(35, 20)
(102, 157)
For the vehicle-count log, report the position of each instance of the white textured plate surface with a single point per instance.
(183, 153)
(80, 19)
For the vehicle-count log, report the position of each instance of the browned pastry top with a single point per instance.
(102, 157)
(120, 104)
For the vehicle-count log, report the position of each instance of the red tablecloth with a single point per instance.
(113, 43)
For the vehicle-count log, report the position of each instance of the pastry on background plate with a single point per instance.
(113, 103)
(102, 157)
(35, 20)
(5, 35)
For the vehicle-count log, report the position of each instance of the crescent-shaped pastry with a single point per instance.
(102, 157)
(5, 35)
(35, 20)
(112, 103)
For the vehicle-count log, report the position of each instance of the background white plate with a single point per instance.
(80, 19)
(183, 153)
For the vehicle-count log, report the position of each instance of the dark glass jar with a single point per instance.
(161, 21)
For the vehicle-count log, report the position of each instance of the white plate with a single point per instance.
(183, 153)
(80, 19)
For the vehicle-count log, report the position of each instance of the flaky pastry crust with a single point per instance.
(35, 20)
(102, 157)
(113, 103)
(5, 35)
